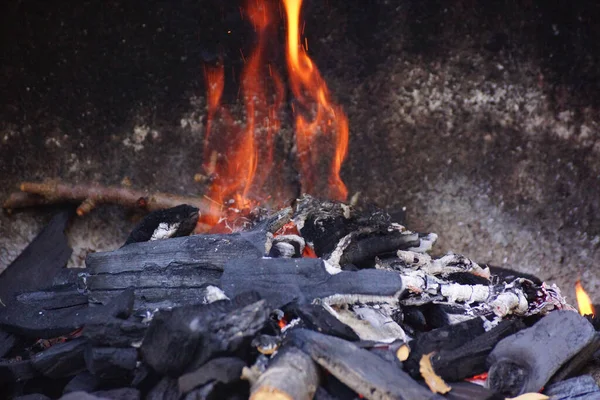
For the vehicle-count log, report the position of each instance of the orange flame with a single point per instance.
(583, 300)
(329, 123)
(233, 155)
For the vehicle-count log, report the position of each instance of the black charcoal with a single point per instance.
(7, 342)
(110, 362)
(16, 370)
(583, 387)
(119, 394)
(109, 331)
(61, 359)
(224, 370)
(282, 281)
(362, 371)
(162, 224)
(316, 318)
(525, 362)
(82, 382)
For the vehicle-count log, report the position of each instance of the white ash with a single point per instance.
(213, 294)
(336, 255)
(286, 250)
(342, 299)
(369, 323)
(331, 269)
(426, 243)
(291, 324)
(165, 230)
(448, 264)
(468, 294)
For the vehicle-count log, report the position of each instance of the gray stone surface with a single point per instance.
(483, 123)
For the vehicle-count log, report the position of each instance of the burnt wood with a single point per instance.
(41, 260)
(83, 382)
(35, 322)
(191, 335)
(16, 371)
(180, 221)
(291, 375)
(525, 362)
(165, 389)
(106, 330)
(171, 272)
(572, 367)
(282, 281)
(364, 372)
(223, 370)
(364, 249)
(110, 362)
(471, 391)
(56, 297)
(446, 338)
(316, 318)
(470, 359)
(61, 359)
(197, 250)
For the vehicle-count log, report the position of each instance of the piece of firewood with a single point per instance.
(92, 194)
(291, 375)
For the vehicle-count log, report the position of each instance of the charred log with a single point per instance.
(106, 330)
(282, 281)
(364, 372)
(291, 375)
(525, 362)
(581, 387)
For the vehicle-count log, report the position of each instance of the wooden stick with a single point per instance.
(292, 375)
(49, 192)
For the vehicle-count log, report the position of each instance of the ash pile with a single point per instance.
(320, 300)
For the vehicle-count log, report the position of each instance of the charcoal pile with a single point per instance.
(320, 300)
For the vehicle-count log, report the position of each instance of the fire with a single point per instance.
(583, 300)
(239, 158)
(328, 125)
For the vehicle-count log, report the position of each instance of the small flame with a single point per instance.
(583, 300)
(328, 125)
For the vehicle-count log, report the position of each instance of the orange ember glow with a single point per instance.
(320, 124)
(239, 158)
(583, 300)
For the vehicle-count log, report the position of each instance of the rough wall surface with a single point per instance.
(481, 120)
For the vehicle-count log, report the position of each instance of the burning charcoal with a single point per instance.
(193, 334)
(469, 359)
(7, 342)
(61, 360)
(113, 332)
(287, 246)
(471, 391)
(291, 375)
(266, 344)
(41, 260)
(316, 318)
(224, 370)
(526, 361)
(110, 362)
(581, 387)
(282, 281)
(82, 382)
(362, 371)
(166, 389)
(445, 338)
(16, 371)
(163, 224)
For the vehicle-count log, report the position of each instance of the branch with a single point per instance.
(90, 195)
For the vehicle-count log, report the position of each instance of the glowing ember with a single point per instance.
(583, 300)
(320, 123)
